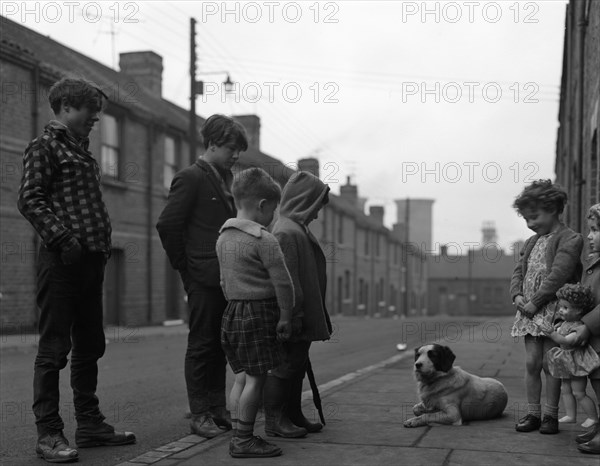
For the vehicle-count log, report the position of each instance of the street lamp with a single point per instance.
(199, 85)
(197, 88)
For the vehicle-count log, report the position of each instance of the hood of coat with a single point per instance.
(302, 197)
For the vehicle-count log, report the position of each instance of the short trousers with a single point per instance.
(249, 338)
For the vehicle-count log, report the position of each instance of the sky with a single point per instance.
(451, 101)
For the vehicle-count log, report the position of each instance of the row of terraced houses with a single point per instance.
(140, 142)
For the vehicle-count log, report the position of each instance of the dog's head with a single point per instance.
(430, 359)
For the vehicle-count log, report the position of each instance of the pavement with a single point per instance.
(365, 411)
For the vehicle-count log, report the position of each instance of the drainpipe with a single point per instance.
(581, 27)
(151, 137)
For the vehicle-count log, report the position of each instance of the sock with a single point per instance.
(551, 411)
(535, 409)
(244, 429)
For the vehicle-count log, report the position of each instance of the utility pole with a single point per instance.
(407, 242)
(192, 130)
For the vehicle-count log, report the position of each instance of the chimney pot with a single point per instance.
(145, 67)
(309, 164)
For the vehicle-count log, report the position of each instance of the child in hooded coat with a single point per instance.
(302, 198)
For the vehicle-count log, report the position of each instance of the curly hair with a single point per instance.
(542, 194)
(77, 92)
(594, 214)
(577, 295)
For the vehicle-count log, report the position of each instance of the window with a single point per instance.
(110, 151)
(341, 229)
(377, 244)
(500, 295)
(170, 164)
(487, 295)
(347, 282)
(361, 291)
(367, 242)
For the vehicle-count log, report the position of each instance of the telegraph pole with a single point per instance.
(192, 130)
(407, 273)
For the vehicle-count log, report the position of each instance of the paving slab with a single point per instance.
(365, 415)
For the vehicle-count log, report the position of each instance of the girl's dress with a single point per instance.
(564, 363)
(535, 275)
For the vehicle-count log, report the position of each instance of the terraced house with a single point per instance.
(140, 142)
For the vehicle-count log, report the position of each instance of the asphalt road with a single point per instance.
(141, 383)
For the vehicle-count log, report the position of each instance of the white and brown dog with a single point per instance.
(450, 395)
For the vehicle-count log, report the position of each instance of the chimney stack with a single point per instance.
(376, 212)
(145, 67)
(349, 192)
(309, 164)
(251, 124)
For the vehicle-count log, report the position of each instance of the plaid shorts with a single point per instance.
(248, 336)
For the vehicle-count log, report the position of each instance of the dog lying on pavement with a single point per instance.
(450, 395)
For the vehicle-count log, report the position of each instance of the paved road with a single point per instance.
(141, 384)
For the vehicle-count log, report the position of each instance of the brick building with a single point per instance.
(476, 283)
(140, 143)
(577, 149)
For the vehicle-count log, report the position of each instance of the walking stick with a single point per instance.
(315, 390)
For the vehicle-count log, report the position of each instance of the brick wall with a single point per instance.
(17, 260)
(575, 128)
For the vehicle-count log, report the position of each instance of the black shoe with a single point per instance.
(54, 448)
(221, 417)
(528, 423)
(254, 447)
(101, 435)
(589, 435)
(549, 425)
(204, 426)
(592, 447)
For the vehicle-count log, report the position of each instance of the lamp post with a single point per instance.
(197, 88)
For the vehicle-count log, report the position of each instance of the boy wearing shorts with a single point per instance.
(260, 295)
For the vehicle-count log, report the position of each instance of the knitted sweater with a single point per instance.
(252, 264)
(562, 263)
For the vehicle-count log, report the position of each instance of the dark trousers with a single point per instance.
(204, 358)
(70, 301)
(295, 357)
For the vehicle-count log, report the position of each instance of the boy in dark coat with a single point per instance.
(199, 202)
(302, 198)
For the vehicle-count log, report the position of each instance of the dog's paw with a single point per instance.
(413, 422)
(419, 409)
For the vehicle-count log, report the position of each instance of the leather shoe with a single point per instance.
(528, 423)
(204, 426)
(101, 434)
(589, 435)
(549, 425)
(253, 447)
(592, 447)
(221, 417)
(54, 448)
